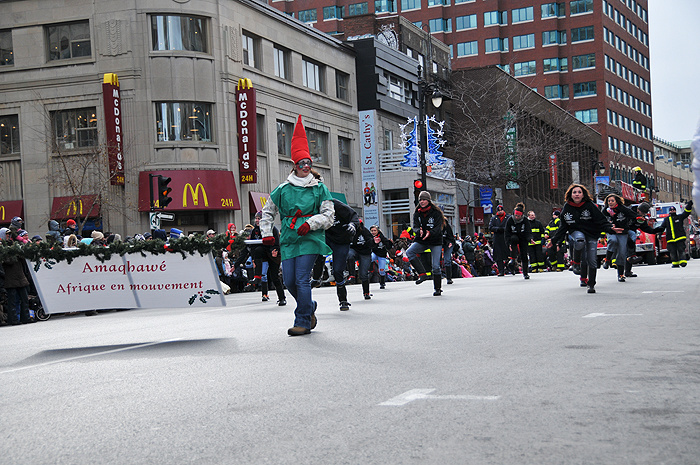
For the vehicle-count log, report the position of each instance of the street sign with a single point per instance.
(166, 216)
(154, 219)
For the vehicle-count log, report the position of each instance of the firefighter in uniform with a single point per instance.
(535, 249)
(555, 253)
(640, 181)
(675, 234)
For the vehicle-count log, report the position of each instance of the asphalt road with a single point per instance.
(495, 371)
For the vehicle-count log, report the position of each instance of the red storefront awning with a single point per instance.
(192, 190)
(86, 206)
(9, 209)
(257, 201)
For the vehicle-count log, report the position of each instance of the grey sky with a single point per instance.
(674, 56)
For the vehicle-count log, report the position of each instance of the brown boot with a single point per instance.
(298, 331)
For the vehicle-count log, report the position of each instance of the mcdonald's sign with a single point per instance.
(9, 209)
(246, 128)
(113, 128)
(86, 206)
(194, 190)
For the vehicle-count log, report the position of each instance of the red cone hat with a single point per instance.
(300, 145)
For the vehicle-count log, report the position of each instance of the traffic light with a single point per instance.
(417, 188)
(163, 191)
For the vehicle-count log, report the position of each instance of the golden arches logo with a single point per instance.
(2, 210)
(111, 78)
(244, 83)
(195, 194)
(74, 204)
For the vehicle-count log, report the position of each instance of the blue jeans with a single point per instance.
(365, 261)
(297, 274)
(340, 259)
(435, 255)
(617, 246)
(381, 264)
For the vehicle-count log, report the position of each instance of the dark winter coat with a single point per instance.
(363, 241)
(537, 230)
(620, 217)
(383, 247)
(14, 275)
(521, 230)
(344, 215)
(448, 236)
(584, 217)
(430, 219)
(673, 225)
(497, 226)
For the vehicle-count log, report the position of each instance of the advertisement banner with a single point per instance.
(485, 194)
(194, 190)
(246, 128)
(131, 281)
(9, 209)
(463, 212)
(553, 174)
(478, 216)
(368, 155)
(113, 128)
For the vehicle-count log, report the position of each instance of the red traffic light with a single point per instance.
(418, 184)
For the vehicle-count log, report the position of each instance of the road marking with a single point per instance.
(420, 394)
(86, 356)
(660, 292)
(596, 315)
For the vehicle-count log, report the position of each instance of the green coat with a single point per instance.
(298, 204)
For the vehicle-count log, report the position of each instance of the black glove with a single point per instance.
(350, 228)
(689, 205)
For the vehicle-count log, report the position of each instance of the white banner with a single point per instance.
(131, 281)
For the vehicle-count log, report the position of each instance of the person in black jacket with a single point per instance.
(497, 226)
(582, 222)
(620, 217)
(534, 249)
(338, 237)
(448, 243)
(361, 250)
(517, 236)
(675, 234)
(428, 222)
(267, 259)
(382, 245)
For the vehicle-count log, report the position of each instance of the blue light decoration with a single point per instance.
(434, 156)
(409, 141)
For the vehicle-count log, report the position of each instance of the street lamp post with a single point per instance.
(436, 99)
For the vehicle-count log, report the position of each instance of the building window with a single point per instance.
(342, 81)
(555, 64)
(179, 33)
(556, 92)
(183, 121)
(312, 75)
(583, 89)
(308, 16)
(495, 17)
(587, 116)
(463, 1)
(68, 41)
(519, 15)
(553, 37)
(467, 48)
(251, 50)
(582, 33)
(496, 45)
(358, 9)
(9, 134)
(318, 146)
(465, 22)
(398, 89)
(580, 6)
(524, 41)
(410, 5)
(385, 6)
(7, 57)
(525, 68)
(281, 59)
(388, 139)
(74, 129)
(333, 12)
(441, 25)
(261, 140)
(583, 61)
(344, 152)
(284, 138)
(438, 3)
(553, 10)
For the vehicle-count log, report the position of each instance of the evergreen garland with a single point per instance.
(36, 252)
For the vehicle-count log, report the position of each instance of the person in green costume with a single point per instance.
(306, 210)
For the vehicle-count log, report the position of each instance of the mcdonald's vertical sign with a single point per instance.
(113, 128)
(246, 129)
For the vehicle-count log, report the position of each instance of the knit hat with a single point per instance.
(519, 208)
(175, 233)
(424, 195)
(556, 213)
(211, 231)
(16, 222)
(159, 234)
(644, 208)
(258, 214)
(300, 145)
(70, 224)
(97, 235)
